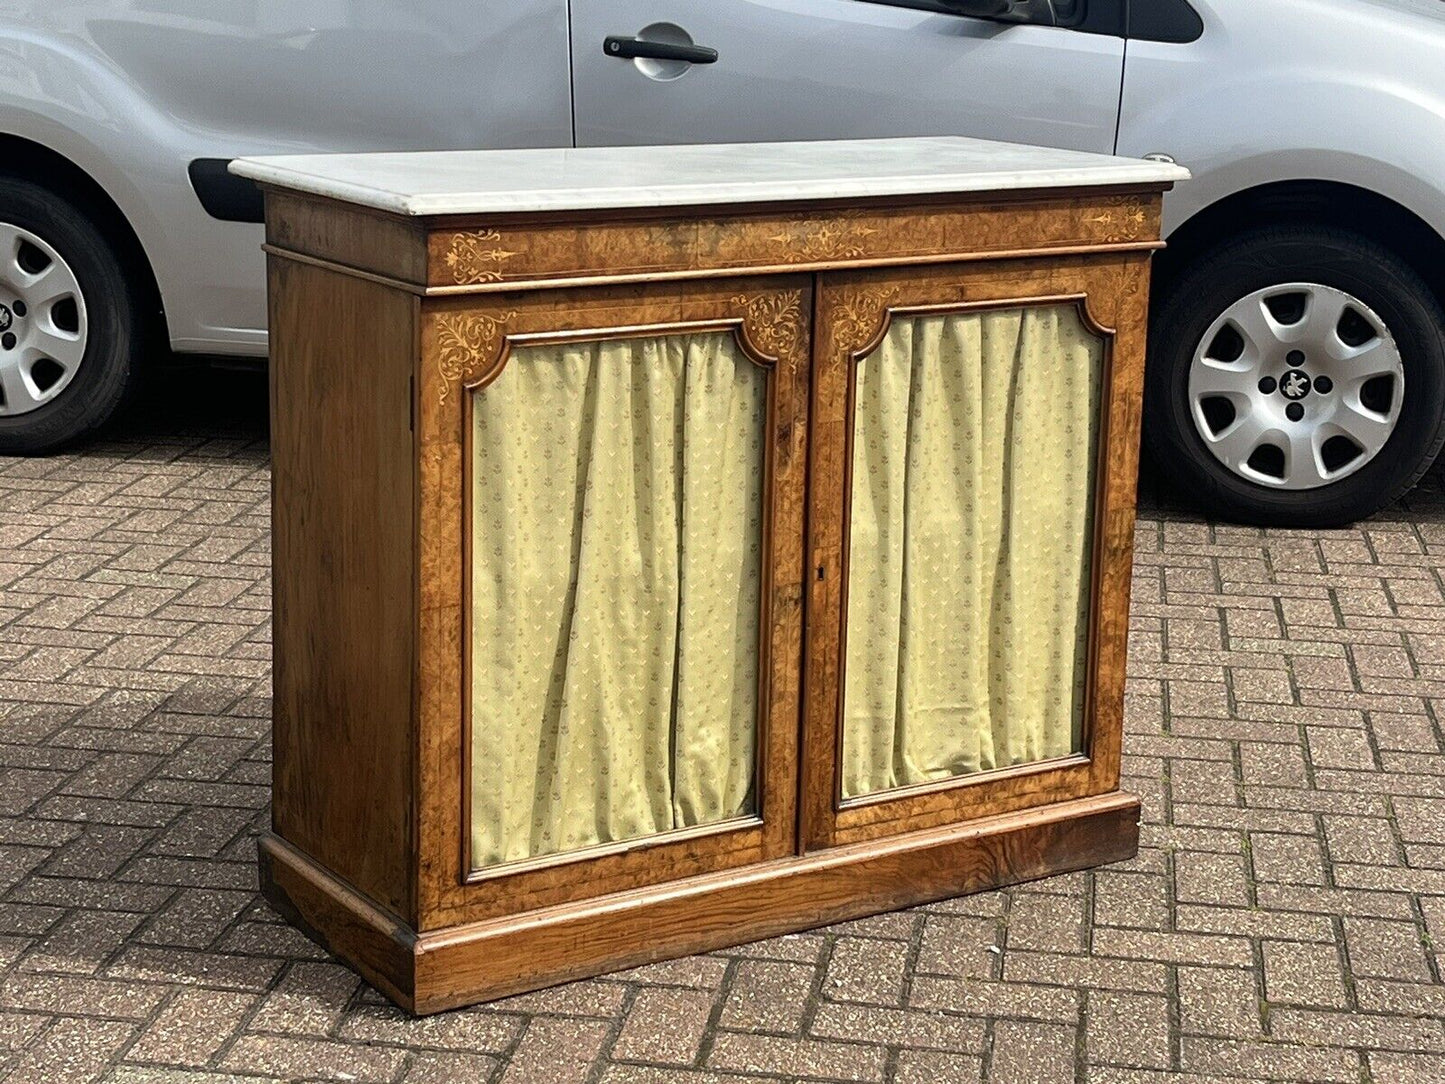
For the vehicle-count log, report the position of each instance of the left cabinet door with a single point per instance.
(610, 523)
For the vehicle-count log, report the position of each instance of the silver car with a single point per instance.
(1297, 372)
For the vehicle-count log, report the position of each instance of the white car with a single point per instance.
(1297, 371)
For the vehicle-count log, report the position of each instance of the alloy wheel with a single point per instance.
(1296, 386)
(43, 325)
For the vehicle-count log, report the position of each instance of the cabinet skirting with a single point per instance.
(431, 971)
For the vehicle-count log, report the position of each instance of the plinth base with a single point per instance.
(460, 965)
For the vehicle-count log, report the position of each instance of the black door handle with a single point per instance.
(627, 48)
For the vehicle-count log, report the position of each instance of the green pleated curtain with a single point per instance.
(617, 511)
(970, 545)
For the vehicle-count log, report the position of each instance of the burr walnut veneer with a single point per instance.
(676, 547)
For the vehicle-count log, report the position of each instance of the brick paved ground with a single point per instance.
(1280, 923)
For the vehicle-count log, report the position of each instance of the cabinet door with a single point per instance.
(611, 531)
(970, 524)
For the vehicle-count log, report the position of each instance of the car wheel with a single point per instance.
(1296, 378)
(70, 325)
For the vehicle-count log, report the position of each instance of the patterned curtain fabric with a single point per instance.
(616, 561)
(970, 542)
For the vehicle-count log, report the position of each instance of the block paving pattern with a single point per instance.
(1281, 923)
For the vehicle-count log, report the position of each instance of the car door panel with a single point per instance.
(839, 69)
(349, 74)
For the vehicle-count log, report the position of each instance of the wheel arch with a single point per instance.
(1314, 202)
(28, 160)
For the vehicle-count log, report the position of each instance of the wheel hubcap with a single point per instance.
(1296, 386)
(43, 326)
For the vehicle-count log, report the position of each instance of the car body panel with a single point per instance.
(838, 69)
(1348, 91)
(132, 92)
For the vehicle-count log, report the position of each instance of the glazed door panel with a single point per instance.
(967, 583)
(627, 601)
(615, 563)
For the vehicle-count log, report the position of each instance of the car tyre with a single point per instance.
(1272, 260)
(107, 313)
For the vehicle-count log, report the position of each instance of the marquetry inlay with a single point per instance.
(774, 323)
(857, 318)
(467, 342)
(840, 238)
(1120, 220)
(482, 260)
(477, 256)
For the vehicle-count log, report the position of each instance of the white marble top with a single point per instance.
(494, 182)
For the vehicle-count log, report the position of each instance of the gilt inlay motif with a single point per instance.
(477, 256)
(467, 342)
(839, 238)
(774, 322)
(858, 316)
(1123, 221)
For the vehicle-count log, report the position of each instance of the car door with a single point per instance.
(839, 69)
(343, 75)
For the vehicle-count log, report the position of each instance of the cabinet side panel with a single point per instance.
(343, 572)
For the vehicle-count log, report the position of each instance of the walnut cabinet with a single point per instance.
(661, 568)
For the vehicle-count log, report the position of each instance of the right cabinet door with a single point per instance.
(971, 526)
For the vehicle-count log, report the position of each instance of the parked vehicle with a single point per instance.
(1297, 369)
